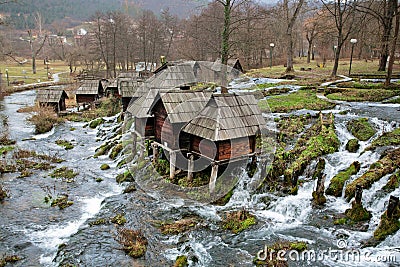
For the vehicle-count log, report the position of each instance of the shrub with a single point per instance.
(44, 119)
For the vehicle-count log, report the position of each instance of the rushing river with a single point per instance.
(34, 231)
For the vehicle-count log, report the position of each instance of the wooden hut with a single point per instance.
(234, 68)
(89, 91)
(112, 89)
(126, 90)
(225, 130)
(52, 97)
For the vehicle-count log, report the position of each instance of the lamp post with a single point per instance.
(271, 50)
(8, 80)
(353, 42)
(334, 51)
(313, 53)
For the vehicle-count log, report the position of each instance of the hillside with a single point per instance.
(23, 11)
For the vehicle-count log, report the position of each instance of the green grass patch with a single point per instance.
(360, 95)
(5, 149)
(361, 129)
(302, 99)
(64, 173)
(64, 143)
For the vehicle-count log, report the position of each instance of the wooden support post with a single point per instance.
(213, 177)
(155, 152)
(141, 149)
(172, 163)
(190, 167)
(134, 144)
(393, 203)
(358, 195)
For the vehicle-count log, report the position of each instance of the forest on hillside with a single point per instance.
(22, 13)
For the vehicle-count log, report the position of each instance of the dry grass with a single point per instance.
(134, 243)
(44, 119)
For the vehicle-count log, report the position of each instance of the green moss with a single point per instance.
(341, 221)
(388, 164)
(62, 202)
(359, 95)
(319, 169)
(9, 259)
(5, 141)
(318, 199)
(181, 261)
(352, 145)
(357, 213)
(99, 180)
(3, 193)
(104, 149)
(93, 124)
(5, 149)
(116, 150)
(98, 222)
(272, 259)
(72, 129)
(130, 188)
(393, 183)
(64, 173)
(238, 221)
(225, 199)
(321, 140)
(361, 129)
(179, 226)
(387, 226)
(387, 139)
(337, 182)
(119, 219)
(162, 167)
(104, 167)
(303, 99)
(64, 143)
(124, 177)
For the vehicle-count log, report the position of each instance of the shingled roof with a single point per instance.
(140, 108)
(88, 87)
(128, 87)
(50, 95)
(182, 106)
(173, 76)
(227, 116)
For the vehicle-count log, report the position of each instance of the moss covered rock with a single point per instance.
(352, 145)
(133, 242)
(387, 139)
(181, 261)
(388, 164)
(116, 150)
(361, 129)
(358, 213)
(238, 221)
(387, 226)
(104, 167)
(94, 123)
(337, 182)
(393, 183)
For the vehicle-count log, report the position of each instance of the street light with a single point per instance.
(353, 42)
(271, 45)
(8, 80)
(313, 53)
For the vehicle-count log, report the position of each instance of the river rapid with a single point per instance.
(48, 236)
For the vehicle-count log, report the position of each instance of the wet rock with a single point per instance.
(130, 188)
(361, 129)
(104, 167)
(337, 182)
(23, 245)
(352, 145)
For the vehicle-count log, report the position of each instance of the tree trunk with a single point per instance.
(336, 61)
(309, 52)
(387, 28)
(393, 50)
(225, 33)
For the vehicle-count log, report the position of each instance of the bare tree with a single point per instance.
(290, 23)
(384, 11)
(393, 48)
(343, 12)
(35, 50)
